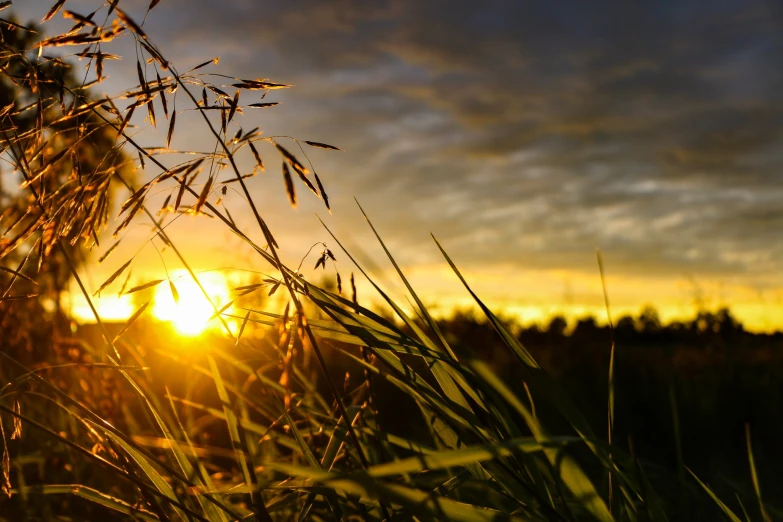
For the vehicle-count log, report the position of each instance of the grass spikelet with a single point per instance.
(108, 252)
(289, 185)
(234, 105)
(292, 160)
(323, 192)
(130, 23)
(151, 111)
(183, 184)
(144, 286)
(163, 100)
(52, 11)
(204, 195)
(114, 276)
(132, 319)
(322, 145)
(256, 155)
(307, 183)
(174, 292)
(126, 120)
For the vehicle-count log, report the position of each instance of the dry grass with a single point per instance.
(287, 440)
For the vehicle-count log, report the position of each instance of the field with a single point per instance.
(287, 399)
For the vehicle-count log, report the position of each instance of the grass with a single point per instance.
(258, 426)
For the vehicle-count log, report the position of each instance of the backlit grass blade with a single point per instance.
(339, 435)
(434, 407)
(260, 407)
(450, 438)
(313, 462)
(362, 331)
(91, 495)
(540, 381)
(728, 512)
(155, 477)
(390, 336)
(409, 381)
(446, 378)
(202, 476)
(652, 503)
(188, 472)
(416, 501)
(507, 337)
(236, 440)
(568, 470)
(247, 425)
(132, 319)
(306, 451)
(754, 476)
(162, 491)
(231, 420)
(610, 405)
(88, 417)
(423, 309)
(742, 507)
(466, 455)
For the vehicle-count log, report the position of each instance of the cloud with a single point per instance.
(529, 133)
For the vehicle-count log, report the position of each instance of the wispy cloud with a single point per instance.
(530, 133)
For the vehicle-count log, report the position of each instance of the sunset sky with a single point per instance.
(523, 135)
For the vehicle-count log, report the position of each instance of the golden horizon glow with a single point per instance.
(190, 314)
(528, 296)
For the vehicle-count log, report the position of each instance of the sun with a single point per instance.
(190, 312)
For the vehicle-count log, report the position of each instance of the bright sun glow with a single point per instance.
(191, 313)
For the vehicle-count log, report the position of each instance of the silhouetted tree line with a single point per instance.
(709, 373)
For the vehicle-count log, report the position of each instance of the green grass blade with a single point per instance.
(90, 495)
(422, 309)
(337, 438)
(535, 375)
(237, 442)
(423, 503)
(247, 425)
(210, 509)
(445, 376)
(155, 477)
(742, 507)
(754, 476)
(306, 451)
(676, 429)
(726, 510)
(569, 471)
(463, 456)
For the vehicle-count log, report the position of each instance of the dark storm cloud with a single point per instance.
(530, 132)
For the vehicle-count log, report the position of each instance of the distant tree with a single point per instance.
(727, 323)
(626, 326)
(649, 321)
(705, 322)
(557, 326)
(586, 327)
(55, 189)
